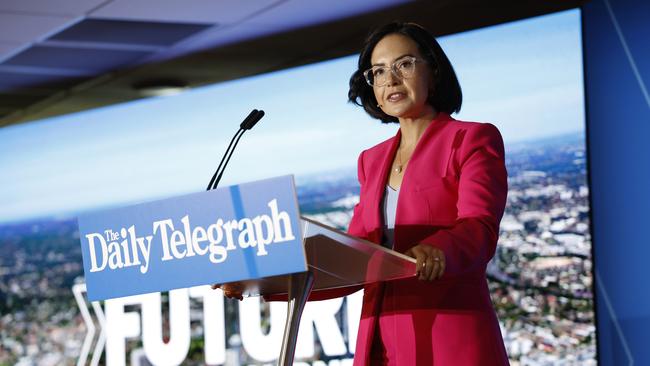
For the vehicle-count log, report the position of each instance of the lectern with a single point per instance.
(335, 260)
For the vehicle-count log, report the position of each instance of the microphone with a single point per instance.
(253, 117)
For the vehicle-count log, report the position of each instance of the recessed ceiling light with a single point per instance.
(159, 87)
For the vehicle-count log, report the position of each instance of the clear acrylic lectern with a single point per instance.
(335, 259)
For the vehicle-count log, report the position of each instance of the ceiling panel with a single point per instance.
(217, 36)
(83, 59)
(24, 28)
(129, 32)
(252, 37)
(13, 101)
(199, 11)
(303, 13)
(16, 81)
(60, 7)
(286, 16)
(7, 49)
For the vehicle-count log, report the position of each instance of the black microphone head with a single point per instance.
(258, 116)
(247, 120)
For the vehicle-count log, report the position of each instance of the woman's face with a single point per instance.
(402, 98)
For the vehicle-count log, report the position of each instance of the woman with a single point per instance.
(435, 191)
(451, 181)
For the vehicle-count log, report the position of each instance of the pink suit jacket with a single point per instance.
(452, 196)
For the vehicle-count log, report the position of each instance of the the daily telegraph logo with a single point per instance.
(116, 250)
(217, 236)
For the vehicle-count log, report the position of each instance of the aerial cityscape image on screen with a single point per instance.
(540, 277)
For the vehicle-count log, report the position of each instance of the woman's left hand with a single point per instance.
(430, 261)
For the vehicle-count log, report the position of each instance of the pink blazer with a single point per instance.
(452, 196)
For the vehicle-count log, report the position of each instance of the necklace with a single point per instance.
(398, 169)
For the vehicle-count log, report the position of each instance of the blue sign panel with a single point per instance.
(240, 232)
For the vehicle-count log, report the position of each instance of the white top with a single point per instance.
(389, 210)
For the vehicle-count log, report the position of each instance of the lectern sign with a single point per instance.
(234, 233)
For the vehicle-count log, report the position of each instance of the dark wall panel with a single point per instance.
(617, 76)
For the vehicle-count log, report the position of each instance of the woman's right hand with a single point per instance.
(232, 290)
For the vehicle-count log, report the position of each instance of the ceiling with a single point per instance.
(63, 56)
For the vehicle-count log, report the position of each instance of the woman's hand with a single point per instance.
(231, 290)
(430, 261)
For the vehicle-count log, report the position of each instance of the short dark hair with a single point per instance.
(447, 95)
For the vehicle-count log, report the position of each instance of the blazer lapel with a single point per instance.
(415, 169)
(377, 191)
(380, 186)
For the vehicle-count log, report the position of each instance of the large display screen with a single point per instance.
(525, 77)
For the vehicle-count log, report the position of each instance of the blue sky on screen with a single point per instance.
(525, 77)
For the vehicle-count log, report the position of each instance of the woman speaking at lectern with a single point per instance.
(436, 191)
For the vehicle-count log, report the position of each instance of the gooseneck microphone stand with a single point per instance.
(300, 284)
(253, 117)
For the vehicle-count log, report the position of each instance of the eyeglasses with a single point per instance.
(404, 68)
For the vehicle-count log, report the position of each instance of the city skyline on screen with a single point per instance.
(525, 77)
